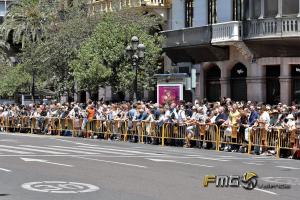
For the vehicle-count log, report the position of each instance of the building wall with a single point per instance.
(224, 11)
(178, 14)
(200, 6)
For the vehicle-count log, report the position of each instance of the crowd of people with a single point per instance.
(244, 115)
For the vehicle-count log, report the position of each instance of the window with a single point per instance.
(271, 8)
(212, 11)
(246, 13)
(256, 5)
(237, 10)
(189, 13)
(290, 7)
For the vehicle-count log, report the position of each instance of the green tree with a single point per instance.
(50, 57)
(14, 80)
(25, 22)
(101, 60)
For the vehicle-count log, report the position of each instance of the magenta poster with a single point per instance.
(169, 93)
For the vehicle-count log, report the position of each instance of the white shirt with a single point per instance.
(265, 117)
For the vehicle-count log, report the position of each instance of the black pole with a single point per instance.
(136, 82)
(33, 87)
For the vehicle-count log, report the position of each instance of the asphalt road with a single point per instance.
(36, 167)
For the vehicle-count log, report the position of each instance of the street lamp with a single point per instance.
(135, 52)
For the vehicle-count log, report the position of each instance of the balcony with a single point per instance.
(223, 33)
(157, 3)
(188, 37)
(272, 28)
(193, 45)
(111, 4)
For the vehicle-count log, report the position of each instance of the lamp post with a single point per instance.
(135, 52)
(33, 86)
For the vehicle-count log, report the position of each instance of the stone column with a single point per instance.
(199, 90)
(256, 83)
(250, 14)
(88, 96)
(225, 87)
(225, 67)
(256, 88)
(299, 10)
(285, 89)
(101, 93)
(285, 83)
(108, 93)
(279, 14)
(262, 9)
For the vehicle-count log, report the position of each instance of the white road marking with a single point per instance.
(63, 140)
(15, 151)
(287, 167)
(94, 155)
(92, 145)
(160, 160)
(183, 163)
(44, 161)
(6, 170)
(266, 191)
(60, 187)
(207, 158)
(122, 150)
(66, 150)
(31, 149)
(251, 163)
(113, 162)
(89, 149)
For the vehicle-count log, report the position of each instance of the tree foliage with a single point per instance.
(101, 60)
(51, 57)
(62, 44)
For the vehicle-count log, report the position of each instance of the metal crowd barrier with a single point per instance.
(230, 135)
(272, 138)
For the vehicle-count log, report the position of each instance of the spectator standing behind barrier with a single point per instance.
(234, 117)
(222, 116)
(253, 116)
(263, 124)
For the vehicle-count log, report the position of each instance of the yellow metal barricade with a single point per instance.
(25, 124)
(2, 124)
(207, 133)
(229, 135)
(173, 133)
(54, 126)
(258, 136)
(151, 132)
(135, 131)
(289, 139)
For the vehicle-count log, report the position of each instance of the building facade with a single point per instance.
(3, 8)
(243, 49)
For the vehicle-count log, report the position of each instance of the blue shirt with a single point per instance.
(253, 117)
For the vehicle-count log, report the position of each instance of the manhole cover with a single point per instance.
(60, 187)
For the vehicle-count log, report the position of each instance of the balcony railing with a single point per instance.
(227, 32)
(269, 28)
(188, 36)
(162, 3)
